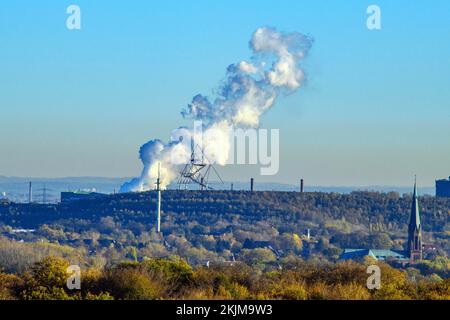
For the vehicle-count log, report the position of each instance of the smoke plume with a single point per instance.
(249, 90)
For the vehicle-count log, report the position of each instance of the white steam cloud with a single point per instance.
(248, 91)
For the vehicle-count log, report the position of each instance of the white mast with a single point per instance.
(158, 189)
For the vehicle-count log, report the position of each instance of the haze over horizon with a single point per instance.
(374, 110)
(226, 183)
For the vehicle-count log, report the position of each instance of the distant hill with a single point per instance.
(337, 189)
(209, 225)
(360, 208)
(16, 188)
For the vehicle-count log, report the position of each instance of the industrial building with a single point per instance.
(443, 188)
(79, 195)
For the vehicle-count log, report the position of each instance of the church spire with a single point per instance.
(415, 228)
(415, 211)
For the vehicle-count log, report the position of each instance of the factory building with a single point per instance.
(443, 188)
(67, 197)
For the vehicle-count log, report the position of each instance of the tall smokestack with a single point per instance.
(252, 183)
(158, 189)
(202, 183)
(30, 192)
(302, 185)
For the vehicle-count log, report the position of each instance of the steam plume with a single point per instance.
(249, 90)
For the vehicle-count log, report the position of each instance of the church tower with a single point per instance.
(415, 230)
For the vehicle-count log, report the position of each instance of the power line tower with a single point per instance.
(197, 172)
(44, 194)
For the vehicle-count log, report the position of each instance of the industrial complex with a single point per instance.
(443, 188)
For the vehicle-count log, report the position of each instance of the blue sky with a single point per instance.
(375, 110)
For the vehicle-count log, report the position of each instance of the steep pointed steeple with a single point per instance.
(414, 221)
(415, 229)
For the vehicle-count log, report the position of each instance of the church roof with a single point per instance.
(377, 254)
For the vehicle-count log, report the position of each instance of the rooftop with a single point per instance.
(79, 192)
(377, 254)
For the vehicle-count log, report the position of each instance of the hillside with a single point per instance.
(360, 209)
(224, 225)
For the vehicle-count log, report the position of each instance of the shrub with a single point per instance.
(130, 284)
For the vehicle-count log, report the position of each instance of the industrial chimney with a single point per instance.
(252, 182)
(202, 184)
(302, 186)
(30, 192)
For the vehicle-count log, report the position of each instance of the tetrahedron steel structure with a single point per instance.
(198, 170)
